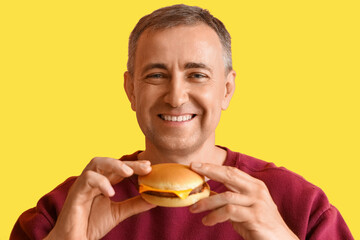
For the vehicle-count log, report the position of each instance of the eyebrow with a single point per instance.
(152, 66)
(197, 65)
(188, 65)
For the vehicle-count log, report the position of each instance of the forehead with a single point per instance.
(195, 43)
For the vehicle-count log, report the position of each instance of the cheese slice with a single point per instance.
(181, 194)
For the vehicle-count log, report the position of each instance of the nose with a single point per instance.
(176, 92)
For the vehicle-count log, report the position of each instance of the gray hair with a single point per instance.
(176, 15)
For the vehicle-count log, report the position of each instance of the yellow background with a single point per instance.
(62, 101)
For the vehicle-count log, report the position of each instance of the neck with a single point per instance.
(206, 153)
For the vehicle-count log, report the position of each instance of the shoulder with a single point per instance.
(297, 199)
(51, 204)
(279, 180)
(37, 222)
(268, 172)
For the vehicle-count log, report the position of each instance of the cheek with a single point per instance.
(210, 101)
(212, 97)
(143, 95)
(147, 97)
(141, 103)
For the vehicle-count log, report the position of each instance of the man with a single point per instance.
(179, 79)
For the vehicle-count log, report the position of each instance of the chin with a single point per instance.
(177, 144)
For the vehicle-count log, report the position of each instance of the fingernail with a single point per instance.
(196, 165)
(204, 221)
(194, 207)
(145, 166)
(128, 170)
(145, 162)
(111, 192)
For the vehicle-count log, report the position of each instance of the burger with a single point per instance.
(172, 185)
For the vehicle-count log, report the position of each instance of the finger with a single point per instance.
(130, 207)
(90, 184)
(141, 167)
(106, 166)
(116, 170)
(233, 178)
(220, 200)
(228, 212)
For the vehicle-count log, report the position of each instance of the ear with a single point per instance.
(129, 89)
(229, 89)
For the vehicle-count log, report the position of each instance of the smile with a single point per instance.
(181, 118)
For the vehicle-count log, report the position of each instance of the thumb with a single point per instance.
(129, 207)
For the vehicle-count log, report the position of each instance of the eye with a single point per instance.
(156, 78)
(198, 76)
(155, 75)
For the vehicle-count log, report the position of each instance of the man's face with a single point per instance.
(179, 87)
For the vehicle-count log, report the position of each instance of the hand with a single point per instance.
(88, 212)
(247, 204)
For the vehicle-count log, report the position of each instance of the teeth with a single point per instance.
(176, 118)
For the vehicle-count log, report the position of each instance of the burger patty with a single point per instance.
(171, 195)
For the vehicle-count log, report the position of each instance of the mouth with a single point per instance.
(180, 118)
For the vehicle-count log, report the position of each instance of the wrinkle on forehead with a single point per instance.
(181, 45)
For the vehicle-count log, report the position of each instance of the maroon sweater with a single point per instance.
(303, 206)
